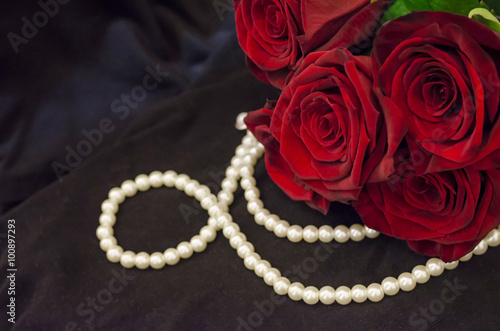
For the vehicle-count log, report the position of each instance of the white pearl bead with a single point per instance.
(295, 291)
(225, 197)
(208, 202)
(185, 250)
(202, 193)
(157, 260)
(109, 207)
(262, 267)
(181, 181)
(451, 265)
(104, 231)
(294, 233)
(114, 254)
(370, 233)
(248, 183)
(406, 281)
(208, 233)
(169, 178)
(375, 292)
(252, 193)
(107, 219)
(171, 256)
(142, 260)
(216, 210)
(327, 295)
(251, 159)
(255, 152)
(198, 243)
(341, 234)
(359, 293)
(240, 151)
(213, 223)
(271, 276)
(310, 295)
(107, 243)
(310, 234)
(232, 173)
(236, 161)
(254, 206)
(357, 232)
(156, 179)
(281, 229)
(248, 160)
(116, 195)
(237, 240)
(229, 184)
(467, 257)
(240, 121)
(224, 220)
(248, 141)
(271, 222)
(230, 230)
(481, 248)
(142, 182)
(129, 188)
(251, 260)
(127, 260)
(245, 249)
(390, 286)
(325, 234)
(493, 238)
(261, 216)
(191, 187)
(421, 274)
(247, 171)
(281, 286)
(435, 267)
(343, 295)
(224, 207)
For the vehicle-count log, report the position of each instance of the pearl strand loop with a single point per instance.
(217, 207)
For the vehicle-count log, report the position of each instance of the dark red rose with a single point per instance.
(267, 31)
(442, 70)
(276, 34)
(443, 214)
(326, 135)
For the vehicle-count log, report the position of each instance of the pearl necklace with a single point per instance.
(242, 167)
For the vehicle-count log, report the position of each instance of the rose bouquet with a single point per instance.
(391, 106)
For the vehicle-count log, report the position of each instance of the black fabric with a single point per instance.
(63, 77)
(64, 80)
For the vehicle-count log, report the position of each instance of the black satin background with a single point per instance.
(65, 80)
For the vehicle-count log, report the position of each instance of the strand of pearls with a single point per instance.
(242, 167)
(273, 223)
(171, 256)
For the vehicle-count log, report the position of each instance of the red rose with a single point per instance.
(442, 70)
(275, 34)
(443, 214)
(326, 136)
(267, 31)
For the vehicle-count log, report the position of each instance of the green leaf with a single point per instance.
(460, 7)
(397, 9)
(485, 17)
(403, 7)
